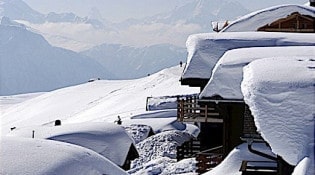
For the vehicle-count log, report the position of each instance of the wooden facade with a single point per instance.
(229, 124)
(295, 22)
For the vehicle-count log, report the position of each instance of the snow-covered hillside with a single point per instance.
(101, 100)
(136, 62)
(30, 64)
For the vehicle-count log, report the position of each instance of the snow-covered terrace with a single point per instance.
(204, 50)
(37, 157)
(280, 94)
(253, 21)
(227, 74)
(107, 139)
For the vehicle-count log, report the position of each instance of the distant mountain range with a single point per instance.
(30, 64)
(131, 49)
(127, 62)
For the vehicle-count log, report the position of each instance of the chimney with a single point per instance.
(312, 3)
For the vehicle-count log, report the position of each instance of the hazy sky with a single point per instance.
(117, 10)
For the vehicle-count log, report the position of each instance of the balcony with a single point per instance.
(188, 110)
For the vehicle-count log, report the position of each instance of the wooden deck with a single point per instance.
(188, 110)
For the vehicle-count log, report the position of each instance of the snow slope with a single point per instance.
(45, 157)
(280, 94)
(101, 100)
(253, 21)
(28, 63)
(227, 74)
(204, 50)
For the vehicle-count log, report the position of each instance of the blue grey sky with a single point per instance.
(118, 10)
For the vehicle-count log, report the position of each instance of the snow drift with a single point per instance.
(280, 94)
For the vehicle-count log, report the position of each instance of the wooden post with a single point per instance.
(182, 110)
(206, 113)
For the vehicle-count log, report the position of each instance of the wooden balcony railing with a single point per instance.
(208, 159)
(188, 110)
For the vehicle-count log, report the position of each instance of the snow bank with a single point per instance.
(46, 157)
(138, 132)
(253, 21)
(232, 163)
(107, 139)
(167, 166)
(227, 74)
(280, 94)
(204, 50)
(160, 146)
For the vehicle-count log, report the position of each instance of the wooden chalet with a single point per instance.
(294, 22)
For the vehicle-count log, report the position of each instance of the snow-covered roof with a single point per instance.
(107, 139)
(253, 21)
(204, 50)
(45, 157)
(280, 94)
(232, 163)
(227, 74)
(162, 120)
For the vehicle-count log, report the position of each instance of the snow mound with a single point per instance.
(160, 145)
(46, 157)
(227, 74)
(107, 139)
(138, 132)
(280, 94)
(167, 166)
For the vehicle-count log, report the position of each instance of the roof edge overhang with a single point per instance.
(217, 101)
(194, 82)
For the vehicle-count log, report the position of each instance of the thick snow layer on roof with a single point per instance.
(162, 120)
(204, 50)
(107, 139)
(280, 94)
(227, 74)
(303, 166)
(253, 21)
(232, 163)
(45, 157)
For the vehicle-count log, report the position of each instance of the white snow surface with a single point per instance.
(160, 146)
(162, 120)
(232, 163)
(101, 100)
(45, 157)
(280, 94)
(227, 74)
(205, 49)
(107, 139)
(253, 21)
